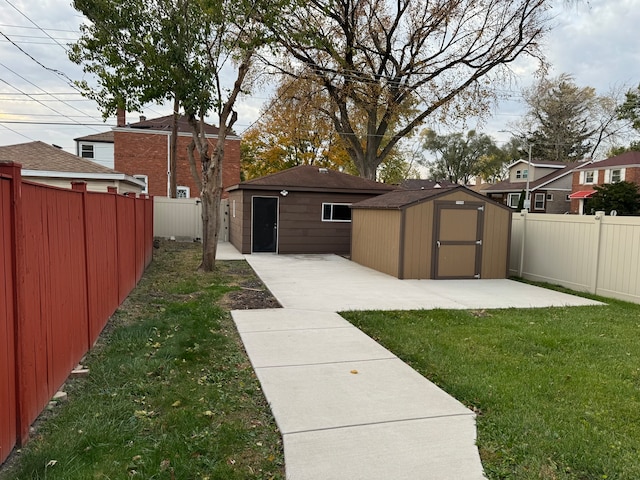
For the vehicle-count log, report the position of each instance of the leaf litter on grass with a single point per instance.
(170, 393)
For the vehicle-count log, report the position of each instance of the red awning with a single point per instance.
(583, 194)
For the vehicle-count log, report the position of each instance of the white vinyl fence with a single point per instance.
(181, 218)
(591, 253)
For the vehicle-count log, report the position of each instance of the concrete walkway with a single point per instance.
(334, 284)
(347, 408)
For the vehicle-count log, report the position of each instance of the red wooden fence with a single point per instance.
(8, 432)
(68, 258)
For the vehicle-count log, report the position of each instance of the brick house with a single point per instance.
(624, 167)
(142, 149)
(549, 185)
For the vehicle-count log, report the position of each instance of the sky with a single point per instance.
(596, 42)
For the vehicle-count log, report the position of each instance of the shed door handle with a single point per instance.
(438, 243)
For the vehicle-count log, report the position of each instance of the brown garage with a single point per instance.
(304, 209)
(437, 233)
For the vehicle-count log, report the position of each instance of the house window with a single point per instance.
(183, 192)
(549, 197)
(144, 179)
(616, 176)
(513, 199)
(522, 173)
(539, 201)
(86, 151)
(588, 177)
(336, 212)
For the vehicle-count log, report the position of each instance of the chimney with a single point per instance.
(121, 116)
(142, 118)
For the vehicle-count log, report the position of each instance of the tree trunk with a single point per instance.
(211, 196)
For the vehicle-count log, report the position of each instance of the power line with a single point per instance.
(53, 96)
(16, 132)
(76, 124)
(53, 70)
(38, 101)
(39, 28)
(36, 25)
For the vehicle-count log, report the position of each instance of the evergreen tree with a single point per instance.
(623, 197)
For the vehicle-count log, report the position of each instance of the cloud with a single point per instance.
(596, 42)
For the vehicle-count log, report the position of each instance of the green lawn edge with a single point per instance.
(170, 394)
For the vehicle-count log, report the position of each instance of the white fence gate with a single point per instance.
(181, 218)
(591, 253)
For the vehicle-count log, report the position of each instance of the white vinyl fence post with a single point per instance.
(523, 214)
(593, 284)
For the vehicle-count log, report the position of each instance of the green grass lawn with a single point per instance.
(170, 394)
(557, 390)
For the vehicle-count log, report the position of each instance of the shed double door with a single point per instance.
(458, 239)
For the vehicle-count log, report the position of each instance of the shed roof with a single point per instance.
(312, 178)
(40, 156)
(623, 160)
(400, 199)
(419, 184)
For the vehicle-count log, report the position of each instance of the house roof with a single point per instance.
(40, 156)
(507, 186)
(104, 137)
(164, 124)
(312, 178)
(623, 160)
(540, 163)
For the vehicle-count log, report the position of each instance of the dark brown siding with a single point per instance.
(235, 219)
(300, 225)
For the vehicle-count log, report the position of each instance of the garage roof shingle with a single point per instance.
(309, 177)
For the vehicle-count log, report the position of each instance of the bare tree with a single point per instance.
(388, 66)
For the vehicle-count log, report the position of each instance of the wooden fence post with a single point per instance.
(82, 188)
(14, 170)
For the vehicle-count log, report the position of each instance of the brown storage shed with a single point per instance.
(439, 233)
(304, 209)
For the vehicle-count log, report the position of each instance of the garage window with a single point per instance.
(336, 212)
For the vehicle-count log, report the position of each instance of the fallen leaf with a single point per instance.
(176, 403)
(355, 372)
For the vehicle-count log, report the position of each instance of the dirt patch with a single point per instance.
(251, 294)
(249, 299)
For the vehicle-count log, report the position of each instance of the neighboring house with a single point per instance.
(304, 209)
(549, 186)
(623, 167)
(97, 148)
(142, 150)
(44, 163)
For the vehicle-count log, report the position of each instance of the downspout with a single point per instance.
(168, 166)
